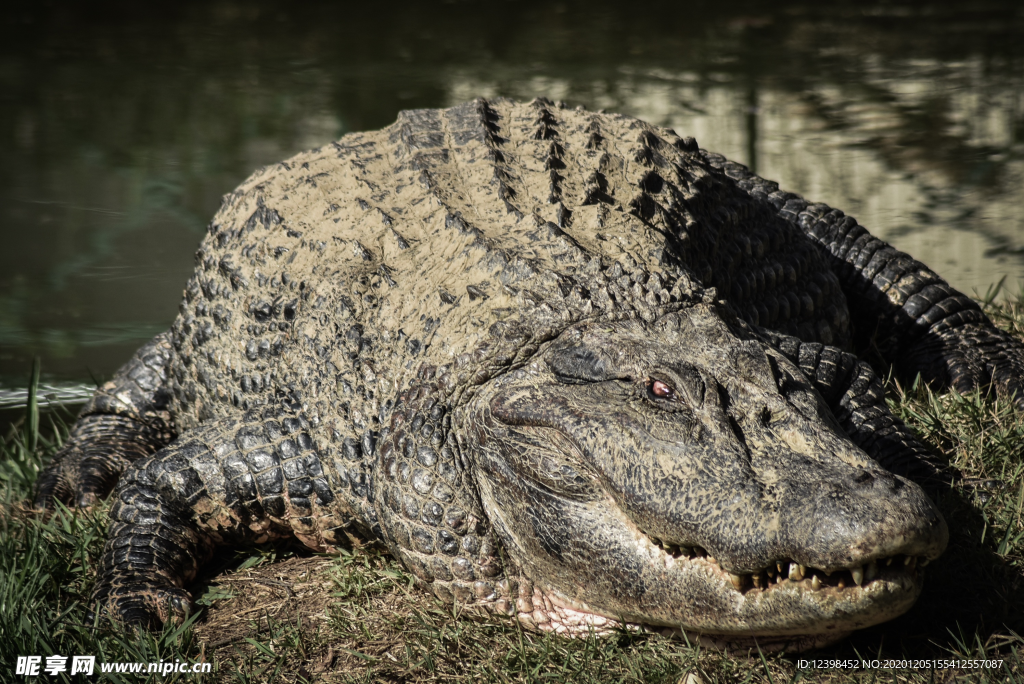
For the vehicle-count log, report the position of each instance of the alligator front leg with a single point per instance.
(855, 395)
(125, 419)
(916, 320)
(430, 511)
(220, 485)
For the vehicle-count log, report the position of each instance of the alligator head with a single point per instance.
(684, 474)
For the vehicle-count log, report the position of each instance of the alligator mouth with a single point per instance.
(555, 612)
(786, 571)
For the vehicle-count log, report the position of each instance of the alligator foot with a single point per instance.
(153, 548)
(142, 602)
(87, 468)
(224, 484)
(125, 420)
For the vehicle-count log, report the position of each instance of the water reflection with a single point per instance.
(121, 129)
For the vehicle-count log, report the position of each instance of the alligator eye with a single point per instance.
(661, 390)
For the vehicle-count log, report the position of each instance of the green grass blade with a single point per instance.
(32, 417)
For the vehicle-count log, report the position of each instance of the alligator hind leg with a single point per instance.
(220, 485)
(125, 419)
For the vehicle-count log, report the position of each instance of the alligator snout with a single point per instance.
(865, 517)
(809, 494)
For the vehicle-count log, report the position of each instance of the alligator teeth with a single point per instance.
(677, 550)
(779, 571)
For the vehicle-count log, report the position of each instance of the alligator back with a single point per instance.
(337, 274)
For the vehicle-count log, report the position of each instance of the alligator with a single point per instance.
(565, 366)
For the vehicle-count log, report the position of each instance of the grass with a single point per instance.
(279, 614)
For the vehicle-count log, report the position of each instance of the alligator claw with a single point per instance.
(78, 478)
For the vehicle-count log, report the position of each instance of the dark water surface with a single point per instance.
(123, 124)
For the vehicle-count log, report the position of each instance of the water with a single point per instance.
(120, 129)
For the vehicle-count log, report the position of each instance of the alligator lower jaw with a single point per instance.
(898, 578)
(553, 613)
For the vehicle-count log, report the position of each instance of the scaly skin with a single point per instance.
(125, 419)
(916, 320)
(565, 365)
